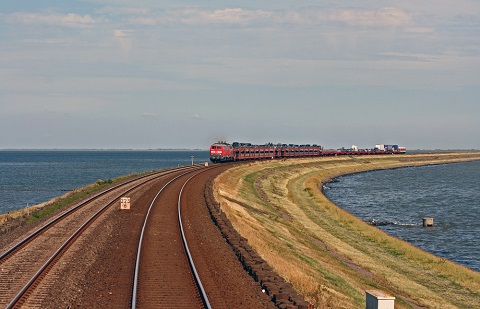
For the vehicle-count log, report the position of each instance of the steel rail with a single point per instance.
(190, 258)
(72, 210)
(75, 235)
(140, 243)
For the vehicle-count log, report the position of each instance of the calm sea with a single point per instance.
(397, 200)
(33, 177)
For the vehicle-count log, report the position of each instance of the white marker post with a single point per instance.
(125, 203)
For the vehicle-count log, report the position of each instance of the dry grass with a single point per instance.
(32, 213)
(330, 256)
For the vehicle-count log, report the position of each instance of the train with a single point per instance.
(225, 152)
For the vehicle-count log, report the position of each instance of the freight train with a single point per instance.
(225, 152)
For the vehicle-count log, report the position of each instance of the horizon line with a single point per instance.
(103, 149)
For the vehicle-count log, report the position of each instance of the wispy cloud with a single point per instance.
(287, 42)
(197, 117)
(246, 17)
(382, 17)
(123, 10)
(223, 16)
(70, 20)
(122, 33)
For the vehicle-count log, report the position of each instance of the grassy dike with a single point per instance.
(30, 214)
(330, 256)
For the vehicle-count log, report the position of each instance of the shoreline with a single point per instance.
(377, 224)
(28, 210)
(19, 217)
(306, 226)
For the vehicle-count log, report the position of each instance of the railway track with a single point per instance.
(98, 256)
(165, 273)
(27, 262)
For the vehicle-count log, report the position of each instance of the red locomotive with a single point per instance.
(221, 152)
(224, 152)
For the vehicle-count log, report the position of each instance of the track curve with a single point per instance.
(164, 270)
(98, 269)
(25, 263)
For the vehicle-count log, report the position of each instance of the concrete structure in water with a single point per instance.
(427, 222)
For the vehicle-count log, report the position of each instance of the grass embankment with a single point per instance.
(330, 256)
(33, 213)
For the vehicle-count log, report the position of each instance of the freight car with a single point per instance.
(224, 152)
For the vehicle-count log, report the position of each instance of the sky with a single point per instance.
(104, 74)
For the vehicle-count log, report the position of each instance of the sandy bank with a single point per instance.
(330, 256)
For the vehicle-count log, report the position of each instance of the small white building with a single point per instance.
(379, 300)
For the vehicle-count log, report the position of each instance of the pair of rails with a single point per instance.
(18, 290)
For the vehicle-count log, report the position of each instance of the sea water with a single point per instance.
(396, 201)
(32, 177)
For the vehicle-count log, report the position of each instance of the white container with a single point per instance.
(379, 300)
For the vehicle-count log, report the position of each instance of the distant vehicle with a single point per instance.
(225, 152)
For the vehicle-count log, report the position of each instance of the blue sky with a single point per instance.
(163, 74)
